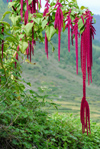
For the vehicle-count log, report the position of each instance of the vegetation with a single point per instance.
(24, 124)
(25, 119)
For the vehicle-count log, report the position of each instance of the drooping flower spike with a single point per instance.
(75, 32)
(17, 56)
(21, 11)
(84, 110)
(44, 14)
(58, 24)
(68, 25)
(2, 42)
(86, 60)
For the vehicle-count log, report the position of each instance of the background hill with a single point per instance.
(97, 17)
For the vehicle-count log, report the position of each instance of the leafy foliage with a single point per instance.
(25, 125)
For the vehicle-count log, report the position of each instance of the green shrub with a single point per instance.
(24, 125)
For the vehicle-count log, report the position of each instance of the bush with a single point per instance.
(24, 125)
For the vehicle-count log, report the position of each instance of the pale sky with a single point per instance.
(93, 5)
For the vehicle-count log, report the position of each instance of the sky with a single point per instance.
(93, 5)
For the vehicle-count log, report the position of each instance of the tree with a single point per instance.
(27, 27)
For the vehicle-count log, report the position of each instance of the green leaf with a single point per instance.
(94, 20)
(28, 28)
(23, 46)
(1, 36)
(37, 20)
(75, 1)
(10, 4)
(80, 23)
(11, 39)
(28, 83)
(21, 36)
(50, 31)
(44, 23)
(73, 12)
(29, 1)
(9, 34)
(7, 12)
(39, 15)
(15, 20)
(81, 30)
(82, 7)
(5, 23)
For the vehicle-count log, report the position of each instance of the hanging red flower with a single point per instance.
(58, 24)
(17, 56)
(86, 60)
(21, 11)
(68, 25)
(75, 32)
(2, 42)
(44, 14)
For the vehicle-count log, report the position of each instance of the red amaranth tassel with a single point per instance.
(25, 18)
(85, 115)
(72, 36)
(68, 25)
(16, 56)
(58, 24)
(46, 45)
(2, 43)
(46, 39)
(30, 48)
(26, 13)
(37, 5)
(90, 32)
(33, 41)
(2, 47)
(84, 110)
(75, 31)
(21, 12)
(27, 51)
(34, 6)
